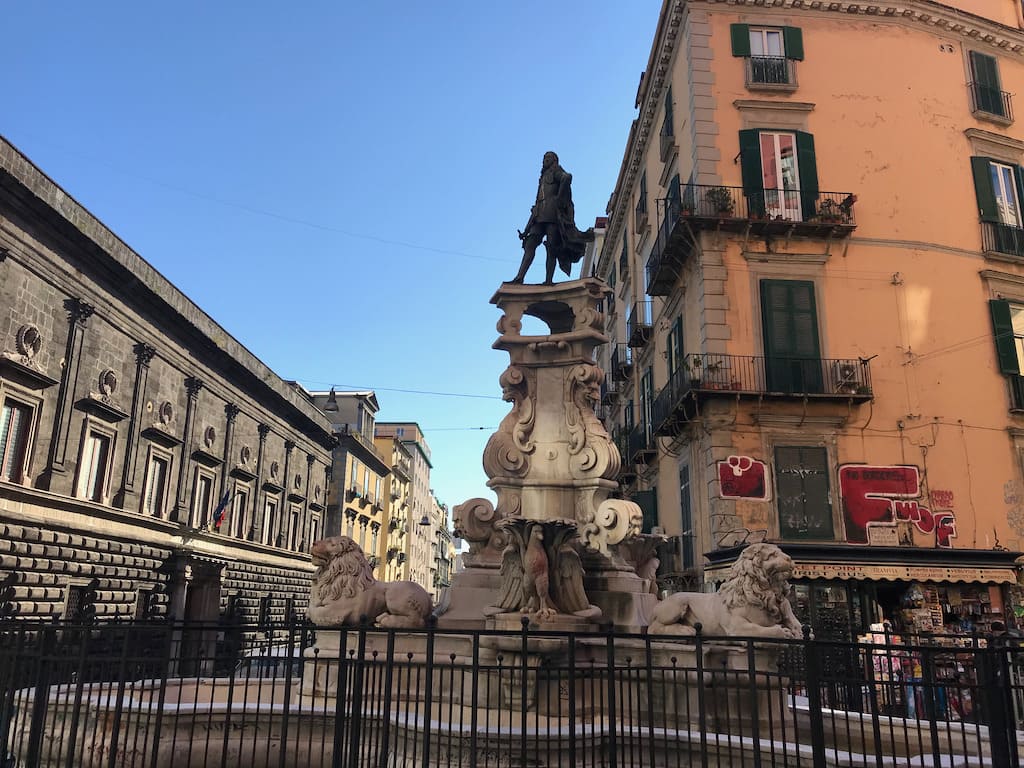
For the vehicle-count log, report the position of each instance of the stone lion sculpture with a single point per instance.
(344, 590)
(751, 603)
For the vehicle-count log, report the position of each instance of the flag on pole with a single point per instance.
(221, 511)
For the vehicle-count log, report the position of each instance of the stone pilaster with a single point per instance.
(256, 531)
(231, 412)
(79, 313)
(143, 357)
(180, 513)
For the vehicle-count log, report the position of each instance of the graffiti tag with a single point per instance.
(885, 494)
(742, 477)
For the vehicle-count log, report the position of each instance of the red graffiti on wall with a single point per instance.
(886, 494)
(742, 477)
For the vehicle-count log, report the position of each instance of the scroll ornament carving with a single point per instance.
(592, 452)
(474, 521)
(507, 452)
(614, 521)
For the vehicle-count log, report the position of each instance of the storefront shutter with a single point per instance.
(1002, 327)
(981, 167)
(807, 162)
(750, 167)
(740, 39)
(801, 482)
(793, 38)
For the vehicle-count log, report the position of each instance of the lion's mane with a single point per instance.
(345, 574)
(751, 582)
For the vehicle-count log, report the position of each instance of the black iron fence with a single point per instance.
(115, 695)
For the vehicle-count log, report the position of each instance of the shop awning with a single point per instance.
(852, 562)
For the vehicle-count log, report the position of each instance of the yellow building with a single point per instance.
(815, 231)
(356, 499)
(397, 507)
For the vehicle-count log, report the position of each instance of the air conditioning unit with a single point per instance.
(846, 376)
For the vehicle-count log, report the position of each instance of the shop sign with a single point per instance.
(902, 572)
(890, 534)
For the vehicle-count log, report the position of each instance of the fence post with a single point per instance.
(340, 697)
(122, 673)
(47, 642)
(357, 692)
(428, 694)
(287, 694)
(612, 719)
(1000, 705)
(814, 699)
(523, 687)
(702, 705)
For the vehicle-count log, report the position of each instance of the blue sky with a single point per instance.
(338, 184)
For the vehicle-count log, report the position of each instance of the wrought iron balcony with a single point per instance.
(774, 212)
(627, 470)
(638, 327)
(622, 362)
(704, 376)
(770, 72)
(990, 103)
(609, 391)
(641, 447)
(1002, 238)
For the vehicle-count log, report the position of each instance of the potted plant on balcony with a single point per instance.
(830, 211)
(719, 199)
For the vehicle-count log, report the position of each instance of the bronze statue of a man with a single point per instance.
(553, 221)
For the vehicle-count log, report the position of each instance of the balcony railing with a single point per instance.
(770, 71)
(806, 213)
(622, 362)
(638, 327)
(703, 376)
(609, 391)
(1002, 238)
(991, 102)
(641, 447)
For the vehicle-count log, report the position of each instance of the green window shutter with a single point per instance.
(740, 39)
(985, 73)
(750, 166)
(790, 329)
(674, 191)
(793, 40)
(1006, 345)
(807, 163)
(981, 167)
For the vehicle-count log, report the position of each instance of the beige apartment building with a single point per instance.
(356, 501)
(419, 540)
(815, 248)
(397, 506)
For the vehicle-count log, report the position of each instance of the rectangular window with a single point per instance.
(202, 499)
(366, 481)
(293, 527)
(374, 538)
(790, 327)
(270, 522)
(355, 474)
(15, 426)
(804, 504)
(999, 189)
(239, 507)
(1008, 327)
(769, 53)
(314, 529)
(986, 92)
(647, 400)
(686, 548)
(376, 491)
(94, 466)
(780, 174)
(674, 347)
(155, 493)
(76, 602)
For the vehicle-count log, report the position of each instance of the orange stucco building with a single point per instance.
(816, 250)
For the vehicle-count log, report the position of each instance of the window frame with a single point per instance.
(271, 510)
(200, 518)
(21, 398)
(785, 443)
(241, 494)
(92, 427)
(155, 454)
